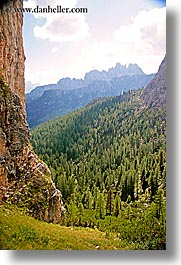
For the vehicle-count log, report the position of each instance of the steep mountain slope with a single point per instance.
(43, 106)
(155, 93)
(112, 137)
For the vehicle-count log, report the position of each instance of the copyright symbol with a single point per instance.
(7, 9)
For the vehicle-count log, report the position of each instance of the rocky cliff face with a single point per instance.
(24, 179)
(155, 92)
(11, 47)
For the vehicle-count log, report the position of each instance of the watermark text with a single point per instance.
(48, 9)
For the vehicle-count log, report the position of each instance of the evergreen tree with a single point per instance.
(110, 202)
(117, 205)
(100, 208)
(159, 201)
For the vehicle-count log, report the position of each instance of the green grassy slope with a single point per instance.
(21, 232)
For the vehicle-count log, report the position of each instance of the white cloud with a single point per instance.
(59, 27)
(54, 49)
(98, 55)
(65, 28)
(146, 34)
(143, 41)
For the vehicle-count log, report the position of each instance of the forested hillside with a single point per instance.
(112, 143)
(107, 159)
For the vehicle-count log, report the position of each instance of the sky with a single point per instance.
(69, 45)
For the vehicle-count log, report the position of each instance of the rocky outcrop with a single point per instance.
(25, 180)
(155, 92)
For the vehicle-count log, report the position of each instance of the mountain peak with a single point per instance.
(134, 68)
(117, 71)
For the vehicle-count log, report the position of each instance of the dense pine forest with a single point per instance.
(109, 161)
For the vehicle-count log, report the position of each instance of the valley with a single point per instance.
(109, 161)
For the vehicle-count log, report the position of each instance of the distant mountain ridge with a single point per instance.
(117, 71)
(70, 84)
(50, 101)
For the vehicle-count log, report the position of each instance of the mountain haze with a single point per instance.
(50, 101)
(70, 84)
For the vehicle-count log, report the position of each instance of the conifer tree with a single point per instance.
(117, 205)
(110, 202)
(100, 207)
(159, 201)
